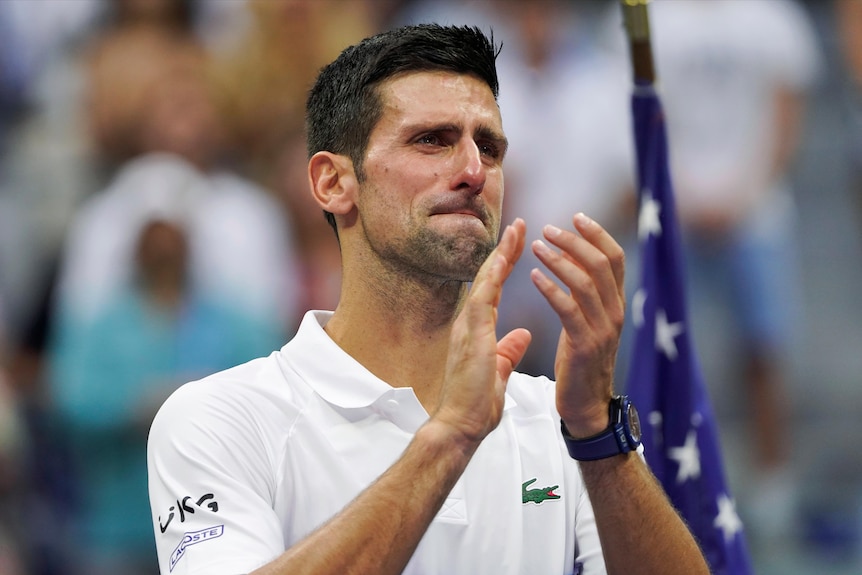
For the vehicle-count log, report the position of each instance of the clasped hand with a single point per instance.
(590, 265)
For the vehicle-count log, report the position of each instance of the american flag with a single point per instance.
(665, 382)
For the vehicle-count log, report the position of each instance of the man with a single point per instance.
(392, 435)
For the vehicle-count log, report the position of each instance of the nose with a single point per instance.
(470, 170)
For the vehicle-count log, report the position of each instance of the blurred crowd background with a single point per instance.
(155, 226)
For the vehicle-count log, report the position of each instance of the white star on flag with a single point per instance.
(688, 457)
(665, 333)
(648, 220)
(638, 302)
(655, 419)
(727, 520)
(665, 379)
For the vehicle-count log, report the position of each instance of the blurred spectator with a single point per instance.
(40, 150)
(733, 78)
(51, 164)
(848, 15)
(140, 306)
(30, 35)
(111, 374)
(12, 466)
(565, 112)
(265, 75)
(239, 244)
(41, 176)
(140, 72)
(131, 107)
(162, 109)
(319, 256)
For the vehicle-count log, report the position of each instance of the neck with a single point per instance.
(399, 329)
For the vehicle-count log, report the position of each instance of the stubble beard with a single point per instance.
(433, 257)
(456, 257)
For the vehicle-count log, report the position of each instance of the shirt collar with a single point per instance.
(335, 375)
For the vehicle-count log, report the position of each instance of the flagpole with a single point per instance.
(636, 19)
(681, 438)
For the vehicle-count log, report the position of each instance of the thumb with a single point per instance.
(510, 350)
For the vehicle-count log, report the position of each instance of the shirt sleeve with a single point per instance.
(589, 559)
(211, 484)
(588, 555)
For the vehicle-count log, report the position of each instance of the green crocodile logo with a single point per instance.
(537, 495)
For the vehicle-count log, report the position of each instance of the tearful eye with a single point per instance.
(489, 150)
(429, 139)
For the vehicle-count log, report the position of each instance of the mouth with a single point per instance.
(459, 213)
(459, 209)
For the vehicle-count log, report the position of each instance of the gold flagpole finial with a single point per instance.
(636, 20)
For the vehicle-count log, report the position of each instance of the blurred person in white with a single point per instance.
(733, 78)
(564, 104)
(109, 376)
(170, 128)
(130, 83)
(114, 355)
(57, 155)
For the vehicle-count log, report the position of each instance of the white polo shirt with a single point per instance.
(246, 462)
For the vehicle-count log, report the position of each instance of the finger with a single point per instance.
(511, 244)
(598, 255)
(583, 296)
(572, 316)
(591, 231)
(488, 284)
(510, 351)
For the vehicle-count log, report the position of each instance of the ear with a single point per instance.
(333, 182)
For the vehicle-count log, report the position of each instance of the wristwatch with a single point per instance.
(622, 435)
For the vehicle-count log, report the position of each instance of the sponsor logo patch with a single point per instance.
(539, 495)
(193, 538)
(185, 508)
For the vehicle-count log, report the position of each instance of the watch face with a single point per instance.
(634, 423)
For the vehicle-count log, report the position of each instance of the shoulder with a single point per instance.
(253, 404)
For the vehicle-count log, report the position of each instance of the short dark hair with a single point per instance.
(344, 104)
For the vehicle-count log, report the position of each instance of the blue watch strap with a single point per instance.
(608, 443)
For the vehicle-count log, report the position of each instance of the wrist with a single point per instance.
(439, 436)
(620, 436)
(588, 422)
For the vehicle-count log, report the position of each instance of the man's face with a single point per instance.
(431, 199)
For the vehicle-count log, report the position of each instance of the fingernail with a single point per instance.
(582, 219)
(552, 231)
(541, 247)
